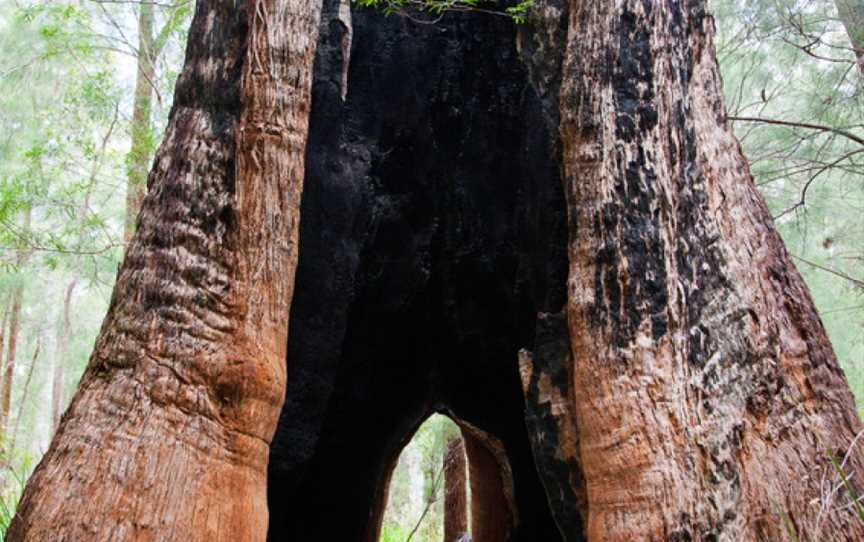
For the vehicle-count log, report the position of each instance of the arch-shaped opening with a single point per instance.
(433, 232)
(417, 484)
(452, 482)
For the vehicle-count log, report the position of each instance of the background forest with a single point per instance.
(85, 89)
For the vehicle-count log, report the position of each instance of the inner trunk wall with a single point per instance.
(433, 230)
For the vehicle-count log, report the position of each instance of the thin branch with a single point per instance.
(819, 127)
(801, 202)
(857, 282)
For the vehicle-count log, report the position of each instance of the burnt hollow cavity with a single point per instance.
(433, 232)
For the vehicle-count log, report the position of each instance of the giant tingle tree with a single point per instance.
(690, 393)
(167, 436)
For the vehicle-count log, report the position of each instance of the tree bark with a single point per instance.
(551, 423)
(851, 14)
(706, 392)
(455, 496)
(167, 436)
(64, 337)
(494, 515)
(141, 134)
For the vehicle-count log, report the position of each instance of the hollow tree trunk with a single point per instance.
(142, 104)
(167, 436)
(455, 496)
(64, 337)
(706, 391)
(852, 16)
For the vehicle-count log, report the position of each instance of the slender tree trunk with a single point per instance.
(415, 482)
(64, 337)
(138, 160)
(167, 437)
(706, 391)
(12, 351)
(455, 496)
(9, 368)
(852, 16)
(432, 481)
(3, 323)
(25, 390)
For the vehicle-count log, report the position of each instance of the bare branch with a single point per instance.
(810, 126)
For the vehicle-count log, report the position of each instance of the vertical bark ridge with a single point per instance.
(706, 391)
(167, 436)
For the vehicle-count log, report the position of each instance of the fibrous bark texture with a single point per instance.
(455, 493)
(167, 437)
(705, 390)
(690, 394)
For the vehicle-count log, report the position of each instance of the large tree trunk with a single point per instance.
(455, 495)
(167, 436)
(64, 337)
(138, 159)
(706, 392)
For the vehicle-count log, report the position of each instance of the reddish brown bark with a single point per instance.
(706, 392)
(493, 508)
(167, 436)
(455, 495)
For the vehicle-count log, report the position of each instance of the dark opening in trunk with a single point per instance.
(433, 232)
